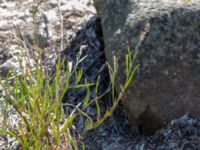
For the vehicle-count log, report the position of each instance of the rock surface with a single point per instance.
(167, 32)
(17, 25)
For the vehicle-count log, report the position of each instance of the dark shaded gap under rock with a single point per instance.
(89, 40)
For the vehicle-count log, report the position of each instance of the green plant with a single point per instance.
(37, 98)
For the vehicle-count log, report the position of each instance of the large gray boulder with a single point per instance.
(167, 84)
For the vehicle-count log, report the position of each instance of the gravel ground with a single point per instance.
(82, 34)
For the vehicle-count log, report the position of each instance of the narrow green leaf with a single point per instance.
(88, 124)
(23, 90)
(97, 86)
(87, 98)
(130, 78)
(65, 88)
(59, 112)
(54, 130)
(98, 110)
(67, 123)
(110, 70)
(83, 85)
(24, 139)
(135, 54)
(16, 87)
(75, 145)
(30, 106)
(130, 55)
(78, 75)
(83, 146)
(11, 133)
(26, 122)
(127, 64)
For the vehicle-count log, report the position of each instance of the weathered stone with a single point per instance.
(167, 84)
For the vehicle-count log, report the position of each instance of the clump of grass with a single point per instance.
(37, 98)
